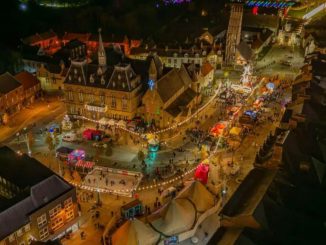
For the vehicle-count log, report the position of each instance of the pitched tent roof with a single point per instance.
(177, 216)
(184, 99)
(199, 195)
(8, 83)
(27, 79)
(135, 232)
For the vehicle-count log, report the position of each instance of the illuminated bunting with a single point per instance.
(269, 4)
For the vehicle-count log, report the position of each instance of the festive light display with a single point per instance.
(270, 4)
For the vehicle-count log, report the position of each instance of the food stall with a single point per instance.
(93, 134)
(131, 209)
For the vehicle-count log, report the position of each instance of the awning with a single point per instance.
(121, 123)
(235, 131)
(104, 121)
(111, 122)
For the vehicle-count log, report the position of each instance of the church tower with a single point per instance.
(234, 32)
(101, 51)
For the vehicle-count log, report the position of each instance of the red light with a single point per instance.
(255, 10)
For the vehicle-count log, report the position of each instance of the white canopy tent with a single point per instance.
(135, 232)
(178, 216)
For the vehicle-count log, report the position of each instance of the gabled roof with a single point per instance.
(83, 37)
(169, 84)
(244, 50)
(39, 37)
(206, 68)
(8, 83)
(121, 78)
(183, 100)
(27, 79)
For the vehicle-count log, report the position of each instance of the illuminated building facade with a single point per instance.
(35, 203)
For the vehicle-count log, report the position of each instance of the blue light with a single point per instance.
(23, 6)
(151, 84)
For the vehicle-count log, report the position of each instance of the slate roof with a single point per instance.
(244, 50)
(27, 79)
(38, 186)
(120, 77)
(8, 83)
(181, 102)
(172, 82)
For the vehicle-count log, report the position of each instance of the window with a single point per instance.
(70, 96)
(27, 227)
(54, 211)
(102, 99)
(41, 220)
(81, 97)
(68, 203)
(57, 223)
(124, 103)
(113, 102)
(44, 233)
(19, 232)
(12, 238)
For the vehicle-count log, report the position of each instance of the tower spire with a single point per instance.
(101, 51)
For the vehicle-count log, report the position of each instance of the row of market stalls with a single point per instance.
(176, 221)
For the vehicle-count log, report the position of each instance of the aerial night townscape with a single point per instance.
(161, 122)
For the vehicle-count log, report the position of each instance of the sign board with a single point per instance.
(171, 240)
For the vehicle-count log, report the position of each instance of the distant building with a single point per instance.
(31, 86)
(35, 203)
(11, 95)
(48, 41)
(52, 76)
(176, 55)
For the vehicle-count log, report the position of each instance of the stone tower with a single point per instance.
(234, 32)
(101, 51)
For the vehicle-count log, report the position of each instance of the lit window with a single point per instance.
(44, 233)
(41, 220)
(54, 211)
(113, 102)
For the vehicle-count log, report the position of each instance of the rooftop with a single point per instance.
(8, 83)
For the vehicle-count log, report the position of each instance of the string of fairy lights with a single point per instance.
(174, 126)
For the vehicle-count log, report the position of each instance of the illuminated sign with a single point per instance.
(269, 4)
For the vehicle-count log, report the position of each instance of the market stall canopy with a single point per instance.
(235, 131)
(199, 195)
(111, 122)
(270, 86)
(104, 121)
(135, 232)
(176, 217)
(218, 129)
(122, 123)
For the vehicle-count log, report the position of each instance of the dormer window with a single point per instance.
(99, 71)
(186, 55)
(130, 75)
(75, 71)
(79, 79)
(175, 55)
(119, 77)
(91, 79)
(204, 52)
(197, 55)
(102, 80)
(123, 85)
(113, 84)
(69, 78)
